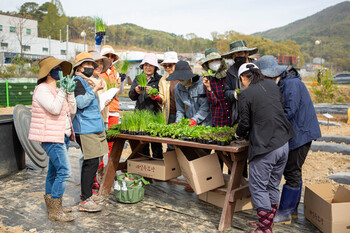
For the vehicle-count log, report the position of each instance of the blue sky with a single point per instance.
(198, 16)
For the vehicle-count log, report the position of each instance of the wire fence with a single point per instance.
(12, 94)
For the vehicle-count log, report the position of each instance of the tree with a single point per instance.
(53, 20)
(30, 9)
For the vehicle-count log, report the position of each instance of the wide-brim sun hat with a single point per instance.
(269, 66)
(182, 72)
(106, 62)
(170, 57)
(210, 55)
(106, 49)
(151, 59)
(245, 67)
(48, 63)
(83, 57)
(239, 46)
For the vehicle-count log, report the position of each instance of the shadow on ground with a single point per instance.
(165, 208)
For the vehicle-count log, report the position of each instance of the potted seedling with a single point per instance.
(142, 81)
(100, 28)
(208, 75)
(125, 67)
(153, 91)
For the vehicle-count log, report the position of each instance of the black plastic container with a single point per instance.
(100, 33)
(12, 155)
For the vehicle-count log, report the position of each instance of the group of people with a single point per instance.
(268, 101)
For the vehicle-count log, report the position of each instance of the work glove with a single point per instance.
(156, 98)
(193, 123)
(63, 82)
(71, 84)
(122, 76)
(98, 39)
(238, 137)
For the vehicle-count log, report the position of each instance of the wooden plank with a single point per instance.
(239, 193)
(112, 166)
(235, 146)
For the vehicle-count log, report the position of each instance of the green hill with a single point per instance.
(331, 26)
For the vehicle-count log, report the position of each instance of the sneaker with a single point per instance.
(97, 198)
(89, 206)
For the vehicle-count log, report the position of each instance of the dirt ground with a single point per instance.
(317, 167)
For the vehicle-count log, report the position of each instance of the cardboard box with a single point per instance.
(160, 169)
(218, 198)
(327, 211)
(202, 173)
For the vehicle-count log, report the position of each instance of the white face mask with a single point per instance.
(214, 65)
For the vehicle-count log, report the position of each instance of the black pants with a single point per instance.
(296, 158)
(157, 150)
(88, 172)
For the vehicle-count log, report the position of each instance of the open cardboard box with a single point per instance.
(217, 198)
(327, 211)
(159, 169)
(202, 172)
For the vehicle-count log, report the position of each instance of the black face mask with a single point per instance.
(240, 61)
(88, 72)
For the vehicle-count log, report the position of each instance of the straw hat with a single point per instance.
(106, 62)
(106, 49)
(83, 57)
(48, 63)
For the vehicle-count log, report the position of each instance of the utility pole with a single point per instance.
(67, 43)
(49, 45)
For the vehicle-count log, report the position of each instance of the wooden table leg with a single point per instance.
(112, 167)
(234, 183)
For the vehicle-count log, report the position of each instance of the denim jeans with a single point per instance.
(59, 169)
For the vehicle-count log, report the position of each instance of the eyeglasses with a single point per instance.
(110, 55)
(168, 66)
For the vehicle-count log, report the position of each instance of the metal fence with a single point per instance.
(12, 94)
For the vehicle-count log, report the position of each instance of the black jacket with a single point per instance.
(143, 101)
(231, 84)
(261, 117)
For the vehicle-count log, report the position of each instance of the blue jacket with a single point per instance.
(192, 103)
(88, 119)
(299, 109)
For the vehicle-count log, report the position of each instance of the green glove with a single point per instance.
(63, 82)
(71, 85)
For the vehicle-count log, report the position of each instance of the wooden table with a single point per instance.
(234, 156)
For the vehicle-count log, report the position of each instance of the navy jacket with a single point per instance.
(299, 109)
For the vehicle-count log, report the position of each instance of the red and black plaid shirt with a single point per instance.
(220, 106)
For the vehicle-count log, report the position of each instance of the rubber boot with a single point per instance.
(255, 223)
(288, 203)
(295, 211)
(65, 209)
(56, 211)
(265, 222)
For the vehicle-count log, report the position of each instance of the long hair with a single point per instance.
(253, 74)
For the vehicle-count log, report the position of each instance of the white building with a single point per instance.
(15, 31)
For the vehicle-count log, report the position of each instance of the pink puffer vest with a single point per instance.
(46, 127)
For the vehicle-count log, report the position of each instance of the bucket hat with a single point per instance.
(83, 57)
(48, 63)
(182, 72)
(243, 68)
(170, 57)
(210, 54)
(239, 46)
(106, 49)
(269, 66)
(106, 62)
(151, 59)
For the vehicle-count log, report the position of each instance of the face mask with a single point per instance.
(215, 65)
(88, 72)
(54, 73)
(240, 61)
(229, 62)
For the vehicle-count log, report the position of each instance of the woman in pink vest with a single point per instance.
(51, 125)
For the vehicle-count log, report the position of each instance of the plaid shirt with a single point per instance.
(220, 106)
